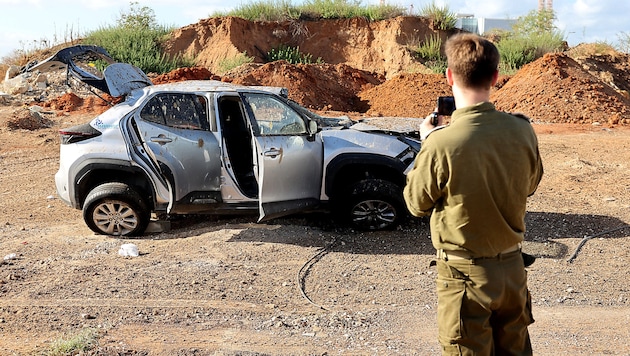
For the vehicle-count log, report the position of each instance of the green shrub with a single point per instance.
(515, 52)
(430, 53)
(137, 40)
(140, 47)
(430, 49)
(443, 18)
(531, 37)
(291, 55)
(230, 63)
(85, 340)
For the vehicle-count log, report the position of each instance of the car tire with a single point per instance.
(116, 209)
(375, 204)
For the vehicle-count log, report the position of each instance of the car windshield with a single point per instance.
(321, 121)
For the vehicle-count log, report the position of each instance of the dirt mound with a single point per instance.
(368, 71)
(66, 102)
(70, 102)
(378, 46)
(316, 86)
(181, 74)
(612, 69)
(556, 88)
(25, 119)
(410, 95)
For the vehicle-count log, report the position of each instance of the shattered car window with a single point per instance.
(184, 111)
(274, 117)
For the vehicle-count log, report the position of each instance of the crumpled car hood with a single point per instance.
(371, 140)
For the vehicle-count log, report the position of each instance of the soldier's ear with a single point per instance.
(495, 77)
(449, 76)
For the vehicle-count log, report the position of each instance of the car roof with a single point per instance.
(213, 86)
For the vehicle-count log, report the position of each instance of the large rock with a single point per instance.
(14, 86)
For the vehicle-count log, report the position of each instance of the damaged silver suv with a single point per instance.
(208, 147)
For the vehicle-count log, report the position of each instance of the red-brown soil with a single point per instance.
(556, 88)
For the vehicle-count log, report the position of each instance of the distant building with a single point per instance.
(482, 25)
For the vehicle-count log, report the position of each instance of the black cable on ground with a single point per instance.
(303, 272)
(577, 250)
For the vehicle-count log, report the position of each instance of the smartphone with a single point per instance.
(446, 105)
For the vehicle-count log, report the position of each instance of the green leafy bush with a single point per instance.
(531, 37)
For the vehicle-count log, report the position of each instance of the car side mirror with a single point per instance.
(313, 128)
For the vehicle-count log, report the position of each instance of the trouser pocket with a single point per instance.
(451, 288)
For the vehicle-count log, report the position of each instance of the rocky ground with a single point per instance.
(300, 285)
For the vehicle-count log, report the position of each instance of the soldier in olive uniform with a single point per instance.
(473, 177)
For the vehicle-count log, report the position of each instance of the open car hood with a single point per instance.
(118, 79)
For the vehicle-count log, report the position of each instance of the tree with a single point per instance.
(535, 22)
(137, 17)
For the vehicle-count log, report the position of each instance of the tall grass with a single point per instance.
(278, 10)
(270, 10)
(443, 18)
(429, 52)
(140, 46)
(291, 55)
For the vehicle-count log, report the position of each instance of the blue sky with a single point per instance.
(24, 24)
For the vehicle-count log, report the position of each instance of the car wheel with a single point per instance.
(375, 204)
(115, 209)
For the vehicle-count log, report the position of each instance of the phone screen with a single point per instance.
(446, 105)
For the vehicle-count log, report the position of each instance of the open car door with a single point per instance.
(288, 156)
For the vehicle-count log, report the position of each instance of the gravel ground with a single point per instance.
(301, 285)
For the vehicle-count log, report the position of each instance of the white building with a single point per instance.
(482, 25)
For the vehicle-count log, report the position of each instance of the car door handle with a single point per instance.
(273, 152)
(161, 139)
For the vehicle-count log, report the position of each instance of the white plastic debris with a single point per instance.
(10, 256)
(128, 250)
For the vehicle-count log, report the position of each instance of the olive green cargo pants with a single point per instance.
(484, 306)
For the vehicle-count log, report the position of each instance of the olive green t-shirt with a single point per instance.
(474, 177)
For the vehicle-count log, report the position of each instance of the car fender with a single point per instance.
(92, 172)
(351, 167)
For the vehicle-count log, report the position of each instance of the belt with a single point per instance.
(463, 255)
